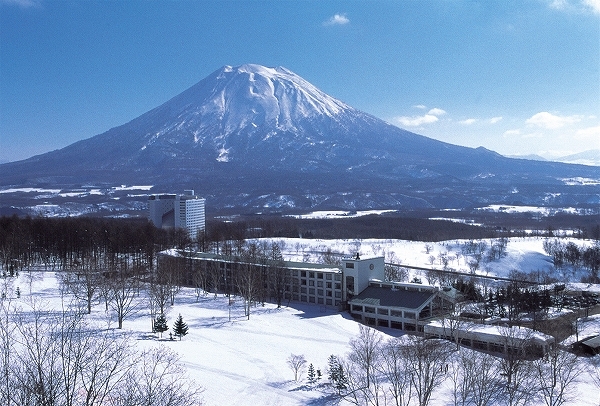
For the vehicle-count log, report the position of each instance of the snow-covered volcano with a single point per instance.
(264, 137)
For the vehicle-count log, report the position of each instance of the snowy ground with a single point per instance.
(243, 362)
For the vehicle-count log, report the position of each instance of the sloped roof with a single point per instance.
(387, 297)
(592, 342)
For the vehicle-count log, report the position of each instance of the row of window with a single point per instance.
(317, 275)
(320, 284)
(316, 300)
(384, 311)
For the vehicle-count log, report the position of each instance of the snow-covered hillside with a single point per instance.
(525, 255)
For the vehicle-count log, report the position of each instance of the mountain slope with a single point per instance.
(248, 132)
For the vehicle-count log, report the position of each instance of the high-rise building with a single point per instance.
(178, 211)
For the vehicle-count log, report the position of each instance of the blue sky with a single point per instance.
(517, 77)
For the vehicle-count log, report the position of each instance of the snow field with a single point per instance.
(243, 362)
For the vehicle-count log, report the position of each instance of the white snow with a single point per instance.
(243, 362)
(333, 214)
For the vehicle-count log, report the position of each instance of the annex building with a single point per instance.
(186, 211)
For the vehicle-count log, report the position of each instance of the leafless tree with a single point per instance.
(122, 291)
(426, 360)
(516, 369)
(393, 368)
(486, 388)
(84, 281)
(363, 366)
(158, 380)
(56, 358)
(556, 374)
(297, 363)
(7, 334)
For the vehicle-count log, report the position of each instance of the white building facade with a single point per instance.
(186, 211)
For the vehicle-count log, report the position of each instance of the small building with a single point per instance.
(498, 339)
(591, 345)
(404, 306)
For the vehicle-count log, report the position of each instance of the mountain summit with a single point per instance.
(258, 137)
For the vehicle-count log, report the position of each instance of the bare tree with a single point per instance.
(297, 363)
(556, 373)
(486, 388)
(426, 360)
(123, 291)
(516, 370)
(158, 380)
(393, 368)
(84, 281)
(363, 366)
(7, 334)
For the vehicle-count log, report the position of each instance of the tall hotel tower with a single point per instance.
(178, 211)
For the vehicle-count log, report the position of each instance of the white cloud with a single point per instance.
(508, 133)
(591, 132)
(337, 19)
(551, 121)
(593, 4)
(420, 106)
(468, 121)
(22, 3)
(437, 112)
(576, 6)
(416, 121)
(494, 120)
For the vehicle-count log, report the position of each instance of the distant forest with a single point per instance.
(59, 242)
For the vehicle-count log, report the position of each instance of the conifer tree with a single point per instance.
(311, 374)
(160, 324)
(180, 328)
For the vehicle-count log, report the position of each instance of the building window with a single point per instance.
(319, 284)
(328, 276)
(328, 285)
(320, 292)
(338, 277)
(338, 286)
(319, 275)
(328, 293)
(311, 283)
(338, 294)
(349, 265)
(382, 311)
(303, 274)
(302, 290)
(328, 302)
(311, 299)
(369, 309)
(311, 274)
(311, 291)
(303, 298)
(320, 300)
(357, 308)
(294, 272)
(303, 282)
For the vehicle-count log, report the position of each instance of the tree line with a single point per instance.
(569, 253)
(411, 370)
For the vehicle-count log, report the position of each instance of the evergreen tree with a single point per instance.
(319, 375)
(180, 328)
(337, 377)
(160, 324)
(312, 378)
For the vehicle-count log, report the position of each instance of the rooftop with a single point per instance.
(391, 297)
